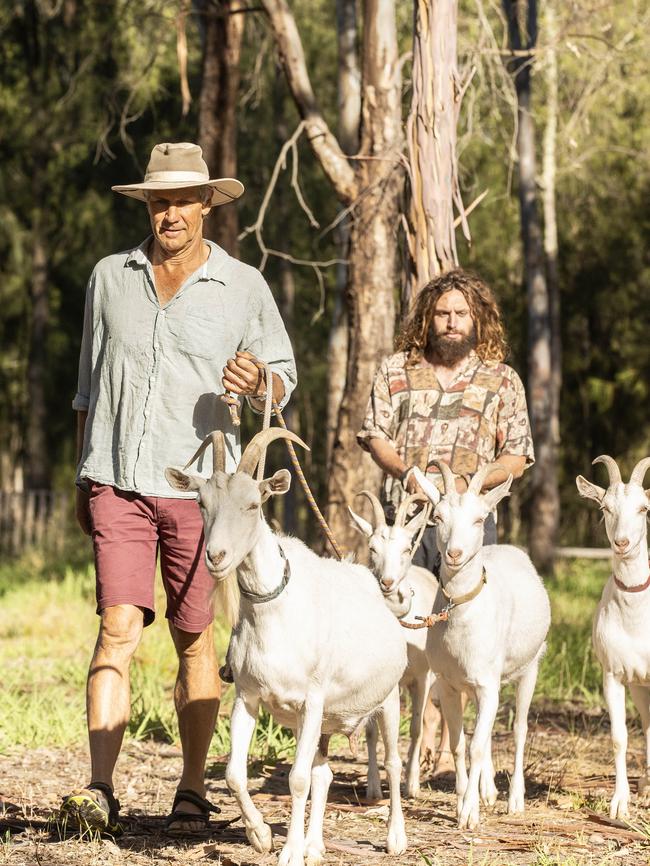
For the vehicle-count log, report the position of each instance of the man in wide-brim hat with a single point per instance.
(169, 327)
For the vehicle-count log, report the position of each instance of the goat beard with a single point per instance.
(448, 352)
(226, 598)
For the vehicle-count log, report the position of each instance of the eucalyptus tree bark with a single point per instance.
(349, 110)
(550, 217)
(372, 183)
(223, 28)
(37, 463)
(522, 30)
(431, 141)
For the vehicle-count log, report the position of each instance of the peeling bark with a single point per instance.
(431, 140)
(374, 184)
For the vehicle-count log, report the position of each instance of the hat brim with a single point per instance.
(224, 189)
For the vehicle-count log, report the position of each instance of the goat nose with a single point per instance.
(386, 583)
(454, 553)
(621, 543)
(216, 557)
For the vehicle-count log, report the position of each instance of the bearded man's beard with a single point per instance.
(449, 352)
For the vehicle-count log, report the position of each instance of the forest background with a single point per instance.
(89, 87)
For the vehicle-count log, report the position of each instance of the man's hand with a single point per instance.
(82, 511)
(242, 376)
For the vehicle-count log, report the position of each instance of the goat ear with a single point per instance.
(361, 524)
(588, 490)
(429, 488)
(415, 523)
(277, 484)
(180, 480)
(496, 494)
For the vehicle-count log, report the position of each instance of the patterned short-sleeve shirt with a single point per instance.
(480, 415)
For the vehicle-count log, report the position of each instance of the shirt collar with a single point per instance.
(211, 269)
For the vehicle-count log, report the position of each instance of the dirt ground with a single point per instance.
(569, 778)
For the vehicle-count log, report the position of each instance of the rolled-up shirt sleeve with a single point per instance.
(379, 421)
(513, 434)
(81, 400)
(266, 337)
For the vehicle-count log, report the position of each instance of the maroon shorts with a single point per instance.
(128, 531)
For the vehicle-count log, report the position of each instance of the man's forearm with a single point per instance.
(511, 464)
(386, 457)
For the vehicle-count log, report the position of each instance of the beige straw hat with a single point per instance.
(177, 166)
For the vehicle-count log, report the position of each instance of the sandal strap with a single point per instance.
(189, 796)
(111, 799)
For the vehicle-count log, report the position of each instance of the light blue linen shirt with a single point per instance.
(150, 376)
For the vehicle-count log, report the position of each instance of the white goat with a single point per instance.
(498, 618)
(621, 627)
(314, 643)
(407, 590)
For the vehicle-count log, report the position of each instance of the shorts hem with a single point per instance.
(148, 612)
(190, 627)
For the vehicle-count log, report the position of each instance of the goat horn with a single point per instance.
(448, 478)
(405, 504)
(612, 468)
(260, 442)
(218, 451)
(477, 480)
(378, 511)
(639, 471)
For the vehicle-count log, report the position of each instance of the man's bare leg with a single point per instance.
(108, 694)
(196, 695)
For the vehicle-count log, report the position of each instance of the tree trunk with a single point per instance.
(431, 140)
(373, 186)
(349, 105)
(544, 489)
(37, 468)
(550, 219)
(373, 260)
(223, 28)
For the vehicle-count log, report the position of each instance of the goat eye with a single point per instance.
(253, 507)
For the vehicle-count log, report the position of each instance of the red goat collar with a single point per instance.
(638, 588)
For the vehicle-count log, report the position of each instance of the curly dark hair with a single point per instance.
(490, 334)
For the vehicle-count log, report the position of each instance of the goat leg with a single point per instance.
(242, 725)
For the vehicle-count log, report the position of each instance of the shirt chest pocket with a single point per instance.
(203, 336)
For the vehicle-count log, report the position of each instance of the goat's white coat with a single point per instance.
(408, 590)
(497, 636)
(621, 625)
(321, 657)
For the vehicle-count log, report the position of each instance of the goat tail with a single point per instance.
(225, 598)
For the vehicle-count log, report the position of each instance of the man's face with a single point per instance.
(176, 217)
(452, 335)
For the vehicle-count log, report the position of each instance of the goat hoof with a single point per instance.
(314, 854)
(468, 818)
(291, 856)
(619, 807)
(261, 838)
(396, 842)
(515, 804)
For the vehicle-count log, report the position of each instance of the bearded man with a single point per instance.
(447, 395)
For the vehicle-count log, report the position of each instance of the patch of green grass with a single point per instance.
(569, 670)
(48, 628)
